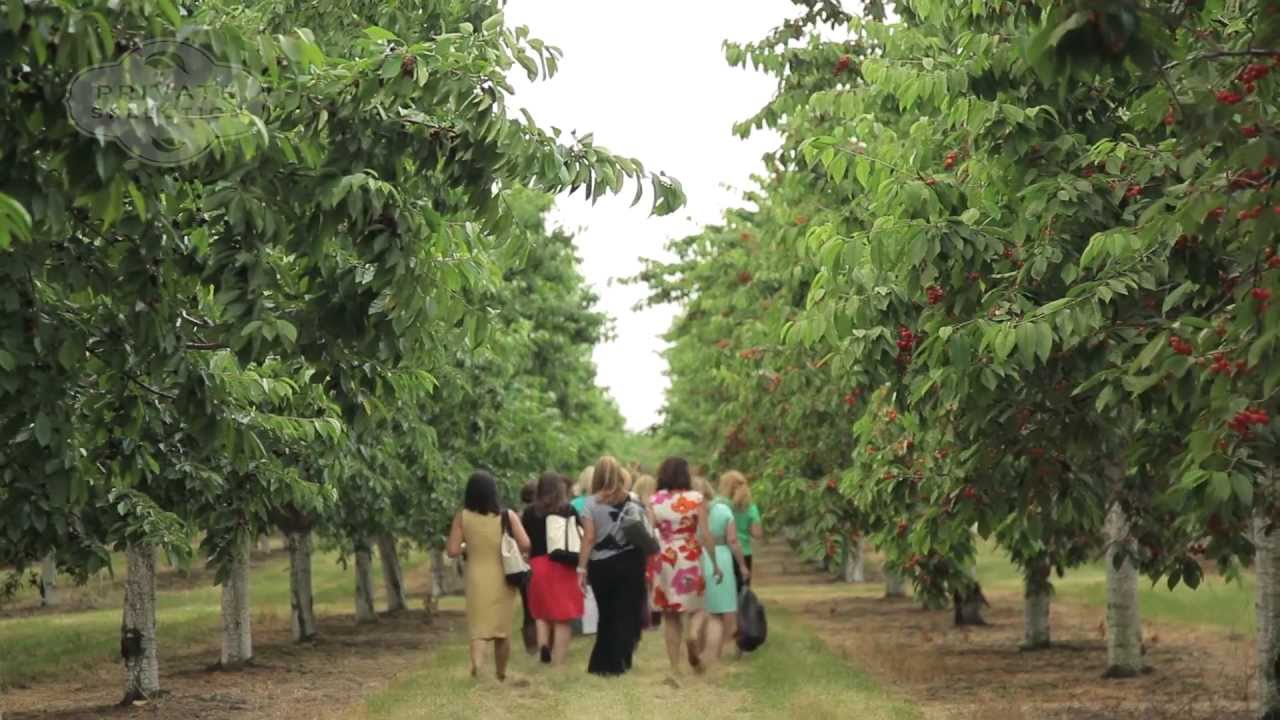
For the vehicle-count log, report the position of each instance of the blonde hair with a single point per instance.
(700, 485)
(609, 481)
(584, 481)
(734, 487)
(645, 487)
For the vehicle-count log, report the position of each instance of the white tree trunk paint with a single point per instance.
(894, 586)
(49, 581)
(1267, 566)
(437, 581)
(392, 574)
(1124, 625)
(138, 628)
(237, 629)
(302, 613)
(1035, 619)
(853, 570)
(364, 583)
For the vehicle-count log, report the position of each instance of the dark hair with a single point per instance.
(551, 493)
(529, 492)
(673, 474)
(481, 495)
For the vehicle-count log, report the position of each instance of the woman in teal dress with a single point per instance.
(721, 599)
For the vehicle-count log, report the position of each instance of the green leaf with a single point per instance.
(1005, 341)
(1177, 295)
(286, 330)
(1044, 341)
(42, 429)
(1141, 384)
(970, 216)
(961, 352)
(1243, 487)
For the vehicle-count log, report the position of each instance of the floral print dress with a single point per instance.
(679, 585)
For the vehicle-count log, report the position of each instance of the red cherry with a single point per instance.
(1250, 131)
(1228, 97)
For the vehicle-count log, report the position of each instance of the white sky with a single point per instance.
(650, 81)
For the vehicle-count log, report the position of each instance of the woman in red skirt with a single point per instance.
(555, 600)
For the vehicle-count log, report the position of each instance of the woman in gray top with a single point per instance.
(613, 568)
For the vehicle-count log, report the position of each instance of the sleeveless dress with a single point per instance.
(679, 584)
(722, 597)
(491, 602)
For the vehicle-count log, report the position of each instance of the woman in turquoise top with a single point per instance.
(721, 599)
(746, 516)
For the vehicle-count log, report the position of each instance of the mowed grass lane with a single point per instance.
(794, 675)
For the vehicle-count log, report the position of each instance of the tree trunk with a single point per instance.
(364, 583)
(237, 630)
(302, 612)
(138, 628)
(437, 581)
(852, 572)
(49, 581)
(1124, 626)
(894, 586)
(1035, 618)
(1267, 566)
(392, 574)
(968, 605)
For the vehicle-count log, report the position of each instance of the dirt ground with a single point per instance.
(979, 673)
(317, 680)
(327, 678)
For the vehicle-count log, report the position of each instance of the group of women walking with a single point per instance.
(670, 551)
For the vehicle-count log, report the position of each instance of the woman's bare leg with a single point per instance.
(671, 632)
(501, 654)
(561, 632)
(477, 656)
(730, 630)
(697, 623)
(714, 638)
(543, 630)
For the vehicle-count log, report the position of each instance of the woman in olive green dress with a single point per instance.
(491, 602)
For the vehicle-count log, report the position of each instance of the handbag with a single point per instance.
(564, 539)
(753, 627)
(633, 524)
(513, 563)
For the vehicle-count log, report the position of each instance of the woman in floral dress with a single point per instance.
(680, 517)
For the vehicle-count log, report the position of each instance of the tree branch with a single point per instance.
(148, 388)
(1221, 54)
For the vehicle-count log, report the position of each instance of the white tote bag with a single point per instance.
(514, 565)
(590, 614)
(564, 539)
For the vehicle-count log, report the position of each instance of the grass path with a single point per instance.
(795, 675)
